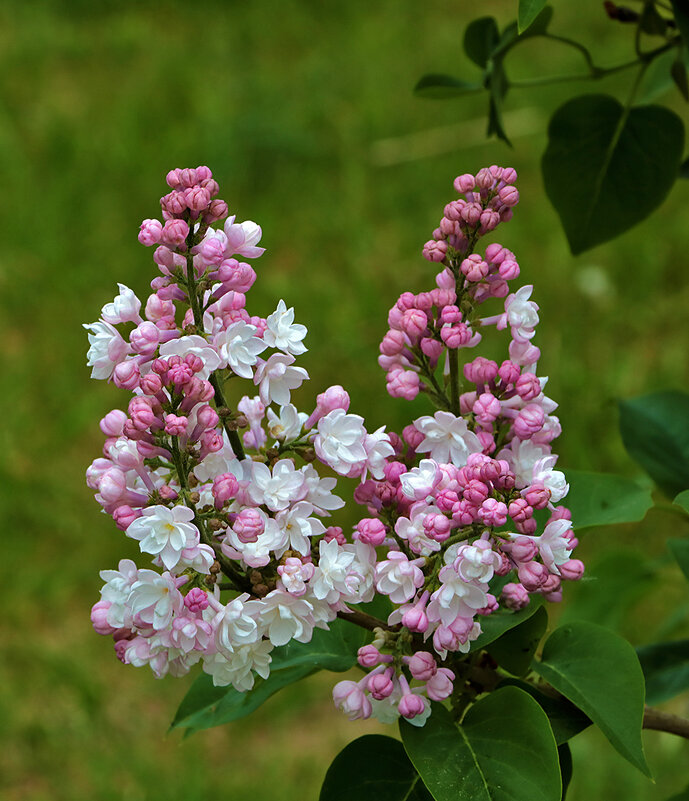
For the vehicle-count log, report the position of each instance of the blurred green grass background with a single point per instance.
(304, 112)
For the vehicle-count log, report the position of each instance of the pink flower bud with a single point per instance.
(487, 408)
(515, 596)
(475, 492)
(369, 656)
(335, 533)
(493, 512)
(523, 549)
(509, 175)
(450, 315)
(439, 687)
(537, 496)
(351, 699)
(509, 195)
(528, 526)
(394, 342)
(187, 177)
(402, 384)
(474, 268)
(197, 198)
(99, 618)
(196, 600)
(529, 421)
(528, 386)
(481, 371)
(248, 525)
(172, 179)
(150, 232)
(126, 375)
(435, 251)
(173, 204)
(509, 372)
(174, 233)
(436, 526)
(509, 270)
(211, 442)
(113, 423)
(572, 570)
(414, 323)
(372, 531)
(113, 485)
(411, 705)
(422, 666)
(489, 219)
(519, 510)
(217, 210)
(431, 348)
(124, 516)
(471, 213)
(445, 280)
(145, 338)
(380, 686)
(175, 426)
(415, 619)
(452, 212)
(464, 183)
(532, 575)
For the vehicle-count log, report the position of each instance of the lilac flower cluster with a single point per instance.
(455, 508)
(233, 513)
(234, 525)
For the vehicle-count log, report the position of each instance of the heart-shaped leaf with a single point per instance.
(656, 435)
(480, 39)
(600, 673)
(504, 750)
(598, 156)
(666, 669)
(601, 499)
(373, 768)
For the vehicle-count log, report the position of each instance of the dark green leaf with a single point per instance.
(566, 720)
(597, 157)
(656, 435)
(497, 86)
(504, 750)
(373, 768)
(516, 648)
(600, 673)
(601, 499)
(657, 79)
(443, 86)
(206, 706)
(495, 625)
(680, 550)
(679, 76)
(684, 169)
(683, 500)
(609, 589)
(480, 38)
(666, 668)
(681, 11)
(652, 23)
(565, 755)
(528, 11)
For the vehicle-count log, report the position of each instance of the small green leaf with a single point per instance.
(566, 720)
(651, 22)
(610, 588)
(495, 625)
(503, 750)
(681, 11)
(666, 669)
(680, 550)
(497, 86)
(600, 673)
(565, 755)
(598, 154)
(516, 648)
(528, 11)
(205, 706)
(656, 435)
(439, 87)
(601, 499)
(679, 76)
(480, 38)
(683, 500)
(373, 768)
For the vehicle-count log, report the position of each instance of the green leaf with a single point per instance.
(601, 499)
(666, 669)
(680, 550)
(679, 76)
(205, 706)
(681, 11)
(503, 750)
(684, 169)
(566, 720)
(683, 500)
(480, 38)
(439, 87)
(565, 756)
(610, 588)
(598, 155)
(528, 11)
(681, 796)
(373, 768)
(656, 435)
(651, 22)
(516, 648)
(497, 86)
(495, 625)
(600, 673)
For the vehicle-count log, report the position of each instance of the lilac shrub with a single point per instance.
(230, 507)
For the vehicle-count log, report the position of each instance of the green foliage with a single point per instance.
(444, 86)
(666, 669)
(499, 622)
(205, 706)
(682, 500)
(528, 12)
(601, 499)
(373, 768)
(503, 750)
(599, 672)
(599, 154)
(681, 796)
(516, 648)
(680, 550)
(656, 435)
(564, 754)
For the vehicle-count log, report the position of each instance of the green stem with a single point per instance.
(454, 381)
